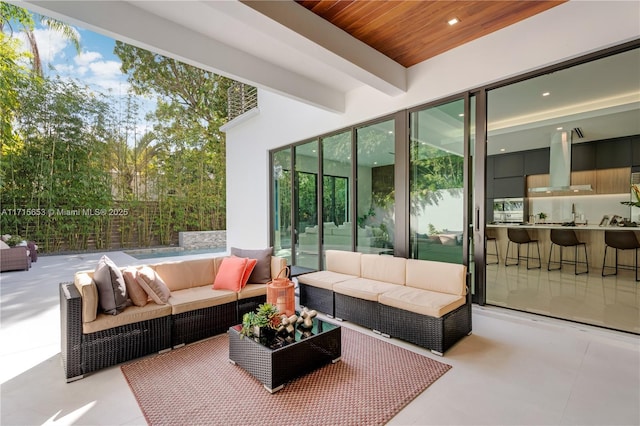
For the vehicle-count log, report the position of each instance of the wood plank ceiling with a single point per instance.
(410, 31)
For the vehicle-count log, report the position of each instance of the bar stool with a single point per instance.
(496, 254)
(520, 236)
(620, 240)
(567, 238)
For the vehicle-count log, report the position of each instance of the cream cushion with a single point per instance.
(186, 273)
(383, 268)
(252, 290)
(363, 288)
(424, 302)
(343, 262)
(190, 299)
(324, 279)
(442, 277)
(89, 292)
(130, 315)
(4, 245)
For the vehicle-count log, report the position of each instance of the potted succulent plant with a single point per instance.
(263, 322)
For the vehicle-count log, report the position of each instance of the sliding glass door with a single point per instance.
(436, 182)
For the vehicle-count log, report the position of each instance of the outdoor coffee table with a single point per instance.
(273, 367)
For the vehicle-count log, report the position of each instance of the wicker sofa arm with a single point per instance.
(14, 259)
(71, 331)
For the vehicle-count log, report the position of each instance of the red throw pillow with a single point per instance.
(230, 274)
(251, 263)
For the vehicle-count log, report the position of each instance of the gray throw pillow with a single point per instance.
(262, 272)
(112, 290)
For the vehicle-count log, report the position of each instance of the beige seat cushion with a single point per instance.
(190, 299)
(324, 279)
(186, 273)
(252, 290)
(130, 315)
(363, 288)
(383, 268)
(343, 262)
(424, 302)
(442, 277)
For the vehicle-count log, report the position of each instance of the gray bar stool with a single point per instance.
(567, 238)
(496, 254)
(620, 240)
(520, 236)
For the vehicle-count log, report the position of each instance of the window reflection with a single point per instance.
(281, 190)
(437, 183)
(376, 195)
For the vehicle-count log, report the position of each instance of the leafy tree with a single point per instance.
(189, 170)
(10, 15)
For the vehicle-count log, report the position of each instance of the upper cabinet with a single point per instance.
(613, 153)
(509, 165)
(583, 157)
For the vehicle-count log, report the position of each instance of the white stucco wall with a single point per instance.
(564, 32)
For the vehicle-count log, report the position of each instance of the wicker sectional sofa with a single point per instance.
(91, 340)
(423, 302)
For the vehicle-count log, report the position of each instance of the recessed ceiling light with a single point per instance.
(546, 93)
(375, 162)
(502, 149)
(453, 21)
(390, 132)
(460, 115)
(558, 128)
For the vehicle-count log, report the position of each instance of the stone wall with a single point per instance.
(202, 239)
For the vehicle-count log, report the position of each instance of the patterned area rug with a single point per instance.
(197, 385)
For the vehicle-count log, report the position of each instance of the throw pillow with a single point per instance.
(262, 272)
(230, 274)
(112, 291)
(3, 245)
(153, 285)
(136, 293)
(251, 265)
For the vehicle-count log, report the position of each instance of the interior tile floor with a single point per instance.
(514, 369)
(611, 301)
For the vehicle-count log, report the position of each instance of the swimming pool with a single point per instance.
(171, 252)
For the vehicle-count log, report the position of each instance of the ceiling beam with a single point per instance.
(339, 48)
(128, 23)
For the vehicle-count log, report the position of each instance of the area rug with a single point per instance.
(196, 384)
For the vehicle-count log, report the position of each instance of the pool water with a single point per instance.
(171, 252)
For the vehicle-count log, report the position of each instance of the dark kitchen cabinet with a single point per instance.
(613, 153)
(635, 150)
(508, 165)
(509, 187)
(536, 161)
(583, 156)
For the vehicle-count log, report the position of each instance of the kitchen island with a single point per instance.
(592, 235)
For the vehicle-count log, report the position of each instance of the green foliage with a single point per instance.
(70, 156)
(266, 316)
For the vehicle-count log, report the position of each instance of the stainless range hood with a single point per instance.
(560, 167)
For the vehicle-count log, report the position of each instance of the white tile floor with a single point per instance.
(612, 301)
(514, 368)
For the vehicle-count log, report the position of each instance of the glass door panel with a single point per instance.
(306, 212)
(281, 202)
(436, 181)
(336, 192)
(375, 192)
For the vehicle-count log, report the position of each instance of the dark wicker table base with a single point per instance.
(275, 367)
